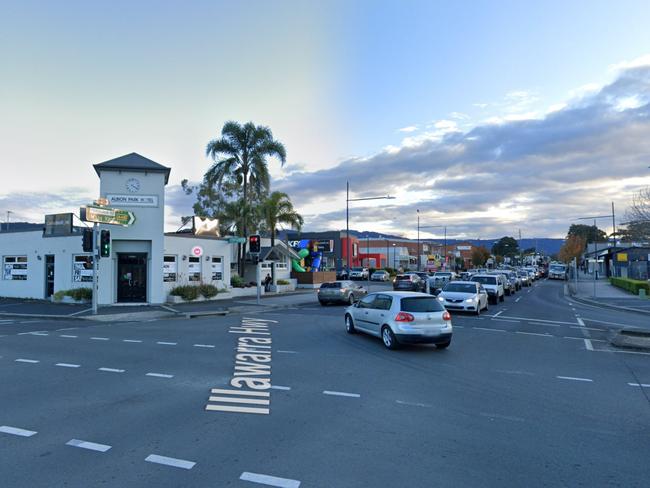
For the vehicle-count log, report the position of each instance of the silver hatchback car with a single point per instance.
(401, 318)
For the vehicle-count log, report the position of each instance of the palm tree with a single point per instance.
(278, 209)
(240, 158)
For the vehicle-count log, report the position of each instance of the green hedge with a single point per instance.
(631, 285)
(75, 293)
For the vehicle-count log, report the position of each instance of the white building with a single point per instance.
(144, 263)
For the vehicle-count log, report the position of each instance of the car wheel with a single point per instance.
(349, 325)
(478, 310)
(486, 305)
(444, 345)
(388, 338)
(322, 302)
(351, 299)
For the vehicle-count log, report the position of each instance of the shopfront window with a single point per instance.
(82, 268)
(217, 268)
(170, 270)
(15, 268)
(194, 269)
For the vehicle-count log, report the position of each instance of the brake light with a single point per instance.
(446, 315)
(404, 317)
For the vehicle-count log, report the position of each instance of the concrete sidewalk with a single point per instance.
(601, 293)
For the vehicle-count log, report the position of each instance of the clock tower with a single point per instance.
(134, 271)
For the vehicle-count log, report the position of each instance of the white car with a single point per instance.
(464, 296)
(401, 318)
(380, 275)
(493, 284)
(359, 274)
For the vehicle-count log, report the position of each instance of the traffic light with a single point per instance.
(105, 244)
(87, 240)
(254, 244)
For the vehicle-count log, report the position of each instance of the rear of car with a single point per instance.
(407, 282)
(491, 283)
(339, 291)
(421, 319)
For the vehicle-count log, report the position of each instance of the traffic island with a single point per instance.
(631, 339)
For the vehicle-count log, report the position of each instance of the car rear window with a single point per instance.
(331, 285)
(403, 278)
(461, 287)
(485, 280)
(420, 304)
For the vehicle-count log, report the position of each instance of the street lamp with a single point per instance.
(437, 227)
(595, 243)
(394, 265)
(347, 217)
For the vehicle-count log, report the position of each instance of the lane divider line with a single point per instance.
(32, 361)
(92, 446)
(640, 385)
(286, 352)
(265, 479)
(68, 365)
(17, 431)
(341, 393)
(167, 343)
(211, 346)
(491, 330)
(169, 461)
(232, 399)
(99, 338)
(278, 387)
(160, 375)
(413, 404)
(573, 378)
(112, 370)
(533, 334)
(68, 336)
(239, 392)
(131, 340)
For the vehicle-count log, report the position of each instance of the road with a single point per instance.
(529, 394)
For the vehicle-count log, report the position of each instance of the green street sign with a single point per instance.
(107, 215)
(236, 240)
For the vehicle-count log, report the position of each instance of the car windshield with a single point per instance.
(403, 278)
(357, 269)
(421, 304)
(460, 288)
(485, 280)
(334, 284)
(442, 275)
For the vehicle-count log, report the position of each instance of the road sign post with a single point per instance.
(107, 215)
(95, 258)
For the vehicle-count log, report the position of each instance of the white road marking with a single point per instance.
(412, 404)
(264, 479)
(251, 401)
(497, 314)
(517, 299)
(286, 352)
(99, 338)
(587, 328)
(131, 340)
(204, 345)
(278, 387)
(160, 375)
(507, 320)
(240, 392)
(39, 333)
(112, 370)
(459, 326)
(588, 345)
(16, 431)
(491, 330)
(167, 343)
(498, 416)
(68, 365)
(169, 461)
(93, 446)
(69, 336)
(642, 385)
(341, 393)
(27, 360)
(533, 334)
(69, 328)
(228, 408)
(574, 378)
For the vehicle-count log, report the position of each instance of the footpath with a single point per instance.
(10, 307)
(602, 294)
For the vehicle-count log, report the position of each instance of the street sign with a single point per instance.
(236, 240)
(197, 251)
(107, 215)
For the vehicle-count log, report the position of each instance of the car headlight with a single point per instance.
(470, 300)
(442, 299)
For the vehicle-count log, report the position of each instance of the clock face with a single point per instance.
(133, 185)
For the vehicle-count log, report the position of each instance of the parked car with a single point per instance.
(409, 282)
(340, 291)
(359, 274)
(380, 275)
(493, 284)
(401, 318)
(465, 296)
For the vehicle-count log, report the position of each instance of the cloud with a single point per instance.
(410, 128)
(529, 171)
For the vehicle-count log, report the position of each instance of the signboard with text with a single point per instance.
(133, 200)
(58, 225)
(107, 215)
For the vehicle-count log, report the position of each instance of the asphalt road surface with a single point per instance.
(529, 394)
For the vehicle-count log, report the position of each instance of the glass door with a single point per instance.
(132, 277)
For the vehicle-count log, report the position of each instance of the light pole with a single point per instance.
(418, 211)
(445, 241)
(347, 218)
(394, 266)
(596, 266)
(9, 212)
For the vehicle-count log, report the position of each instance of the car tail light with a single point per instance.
(404, 317)
(446, 315)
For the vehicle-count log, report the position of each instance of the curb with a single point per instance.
(586, 301)
(41, 316)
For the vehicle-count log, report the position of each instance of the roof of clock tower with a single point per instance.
(133, 162)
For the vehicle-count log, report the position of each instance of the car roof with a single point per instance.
(459, 282)
(402, 294)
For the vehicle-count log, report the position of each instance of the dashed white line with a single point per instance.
(211, 346)
(574, 378)
(286, 352)
(131, 340)
(491, 330)
(517, 299)
(341, 393)
(499, 416)
(588, 345)
(93, 446)
(265, 479)
(498, 313)
(39, 333)
(112, 370)
(68, 365)
(278, 387)
(413, 404)
(21, 360)
(533, 333)
(641, 385)
(99, 339)
(169, 461)
(69, 336)
(167, 343)
(16, 431)
(160, 375)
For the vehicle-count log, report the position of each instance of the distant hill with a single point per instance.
(20, 226)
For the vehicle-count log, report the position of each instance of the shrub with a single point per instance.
(283, 282)
(236, 281)
(630, 285)
(58, 296)
(186, 292)
(77, 294)
(208, 291)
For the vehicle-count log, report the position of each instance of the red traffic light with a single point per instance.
(254, 244)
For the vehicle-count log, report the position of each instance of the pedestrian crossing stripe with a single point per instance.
(239, 401)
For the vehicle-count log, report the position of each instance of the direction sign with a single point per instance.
(107, 215)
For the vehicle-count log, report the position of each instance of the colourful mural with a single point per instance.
(310, 256)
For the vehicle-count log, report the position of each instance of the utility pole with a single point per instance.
(613, 224)
(95, 268)
(9, 212)
(418, 211)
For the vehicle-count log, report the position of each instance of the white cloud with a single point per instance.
(639, 62)
(410, 128)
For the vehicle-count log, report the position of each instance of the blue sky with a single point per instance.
(342, 84)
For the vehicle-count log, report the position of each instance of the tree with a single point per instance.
(529, 250)
(240, 166)
(590, 233)
(278, 209)
(480, 255)
(638, 227)
(572, 248)
(506, 246)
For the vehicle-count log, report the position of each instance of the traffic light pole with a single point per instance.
(258, 277)
(95, 259)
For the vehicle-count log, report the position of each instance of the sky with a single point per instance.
(487, 117)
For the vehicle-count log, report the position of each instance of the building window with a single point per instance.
(281, 266)
(194, 269)
(15, 268)
(82, 268)
(169, 269)
(266, 265)
(217, 268)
